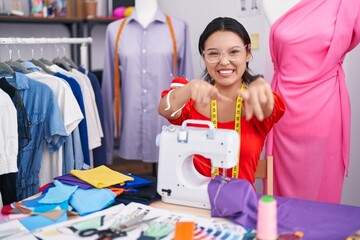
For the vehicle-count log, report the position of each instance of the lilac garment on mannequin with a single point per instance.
(146, 65)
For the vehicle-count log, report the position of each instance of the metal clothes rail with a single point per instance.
(84, 56)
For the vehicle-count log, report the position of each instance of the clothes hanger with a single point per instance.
(7, 68)
(40, 64)
(16, 66)
(60, 62)
(69, 60)
(43, 60)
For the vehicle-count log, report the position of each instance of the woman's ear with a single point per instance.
(248, 53)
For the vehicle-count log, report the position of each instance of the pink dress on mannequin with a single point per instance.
(310, 144)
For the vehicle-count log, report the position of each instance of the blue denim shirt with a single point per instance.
(46, 127)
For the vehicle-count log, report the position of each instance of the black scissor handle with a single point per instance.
(92, 231)
(88, 232)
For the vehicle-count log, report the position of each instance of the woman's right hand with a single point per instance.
(203, 92)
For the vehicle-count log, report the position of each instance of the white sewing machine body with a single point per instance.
(178, 180)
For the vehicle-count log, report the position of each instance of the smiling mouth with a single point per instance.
(225, 72)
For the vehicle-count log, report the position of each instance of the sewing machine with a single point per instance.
(178, 180)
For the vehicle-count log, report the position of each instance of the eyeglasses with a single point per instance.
(215, 56)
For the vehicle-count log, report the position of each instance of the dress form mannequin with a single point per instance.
(305, 43)
(145, 10)
(274, 9)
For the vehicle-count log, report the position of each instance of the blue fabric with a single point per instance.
(137, 182)
(43, 208)
(75, 87)
(58, 194)
(36, 222)
(33, 202)
(99, 153)
(46, 125)
(91, 200)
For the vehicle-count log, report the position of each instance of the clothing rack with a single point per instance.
(84, 56)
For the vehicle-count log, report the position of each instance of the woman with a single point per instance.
(235, 98)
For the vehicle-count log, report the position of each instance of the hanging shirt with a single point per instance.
(46, 126)
(8, 134)
(311, 143)
(146, 66)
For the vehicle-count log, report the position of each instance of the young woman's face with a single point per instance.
(225, 57)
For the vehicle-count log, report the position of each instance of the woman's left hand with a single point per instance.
(258, 99)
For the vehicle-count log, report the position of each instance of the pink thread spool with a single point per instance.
(267, 219)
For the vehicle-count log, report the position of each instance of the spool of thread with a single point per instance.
(119, 12)
(267, 219)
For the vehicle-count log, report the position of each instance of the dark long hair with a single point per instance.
(226, 24)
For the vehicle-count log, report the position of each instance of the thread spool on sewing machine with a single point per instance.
(178, 180)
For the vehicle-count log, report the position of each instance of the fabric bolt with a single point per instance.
(9, 145)
(24, 135)
(99, 153)
(237, 201)
(253, 134)
(101, 176)
(46, 127)
(91, 200)
(146, 68)
(72, 180)
(311, 143)
(76, 89)
(59, 193)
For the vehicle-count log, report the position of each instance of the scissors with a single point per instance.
(119, 231)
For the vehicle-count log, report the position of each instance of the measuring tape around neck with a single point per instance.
(214, 120)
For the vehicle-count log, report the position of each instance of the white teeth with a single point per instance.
(226, 71)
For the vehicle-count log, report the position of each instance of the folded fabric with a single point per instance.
(37, 207)
(145, 195)
(72, 180)
(235, 198)
(137, 182)
(91, 200)
(317, 220)
(35, 222)
(59, 193)
(101, 176)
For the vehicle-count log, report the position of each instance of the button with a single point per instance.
(144, 32)
(145, 110)
(144, 71)
(145, 90)
(144, 51)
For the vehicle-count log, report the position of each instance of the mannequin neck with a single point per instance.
(145, 11)
(274, 9)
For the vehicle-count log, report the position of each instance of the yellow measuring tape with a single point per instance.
(214, 120)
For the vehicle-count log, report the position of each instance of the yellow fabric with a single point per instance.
(101, 177)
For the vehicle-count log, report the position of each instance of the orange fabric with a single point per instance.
(116, 190)
(117, 97)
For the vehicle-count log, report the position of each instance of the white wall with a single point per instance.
(197, 13)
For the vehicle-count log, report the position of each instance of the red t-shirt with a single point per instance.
(253, 134)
